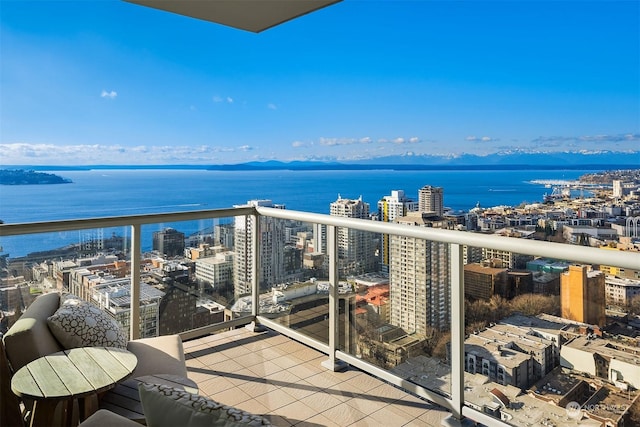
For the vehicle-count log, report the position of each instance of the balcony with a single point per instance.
(322, 364)
(269, 373)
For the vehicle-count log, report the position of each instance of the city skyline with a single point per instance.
(116, 83)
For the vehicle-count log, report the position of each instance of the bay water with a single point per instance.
(114, 192)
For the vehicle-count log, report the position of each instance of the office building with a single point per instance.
(482, 281)
(215, 271)
(169, 242)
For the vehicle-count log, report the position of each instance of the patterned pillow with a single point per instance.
(78, 323)
(166, 406)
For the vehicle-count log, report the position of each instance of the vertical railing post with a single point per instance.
(134, 315)
(457, 335)
(256, 252)
(334, 306)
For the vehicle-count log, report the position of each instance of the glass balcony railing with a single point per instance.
(468, 321)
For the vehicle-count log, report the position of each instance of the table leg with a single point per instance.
(67, 412)
(43, 412)
(87, 406)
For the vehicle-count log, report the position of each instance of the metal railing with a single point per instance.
(457, 240)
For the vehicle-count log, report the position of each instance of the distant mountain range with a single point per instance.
(512, 160)
(555, 160)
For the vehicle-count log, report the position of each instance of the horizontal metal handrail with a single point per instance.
(624, 259)
(118, 221)
(561, 251)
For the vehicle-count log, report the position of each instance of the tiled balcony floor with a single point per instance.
(272, 375)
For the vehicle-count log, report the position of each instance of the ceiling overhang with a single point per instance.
(250, 15)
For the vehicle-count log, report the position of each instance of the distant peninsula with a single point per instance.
(29, 177)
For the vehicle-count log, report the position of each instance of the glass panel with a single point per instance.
(555, 336)
(192, 262)
(74, 261)
(294, 284)
(186, 273)
(399, 319)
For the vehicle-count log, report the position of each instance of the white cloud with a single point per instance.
(296, 144)
(474, 138)
(344, 141)
(88, 154)
(222, 99)
(336, 141)
(400, 140)
(272, 106)
(109, 94)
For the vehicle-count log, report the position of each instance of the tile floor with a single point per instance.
(272, 375)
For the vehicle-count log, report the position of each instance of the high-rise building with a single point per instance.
(319, 239)
(92, 241)
(430, 199)
(395, 206)
(271, 250)
(169, 242)
(356, 248)
(582, 295)
(389, 208)
(224, 235)
(419, 279)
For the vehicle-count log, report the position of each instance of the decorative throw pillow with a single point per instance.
(166, 406)
(78, 323)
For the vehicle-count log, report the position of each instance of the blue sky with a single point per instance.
(109, 82)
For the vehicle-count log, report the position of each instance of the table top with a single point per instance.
(73, 373)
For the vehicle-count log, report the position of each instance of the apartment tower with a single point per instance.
(430, 199)
(356, 249)
(271, 249)
(419, 279)
(389, 208)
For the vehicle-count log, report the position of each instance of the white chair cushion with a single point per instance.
(78, 323)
